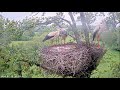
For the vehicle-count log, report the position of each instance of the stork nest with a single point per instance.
(76, 60)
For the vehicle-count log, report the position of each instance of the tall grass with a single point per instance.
(107, 65)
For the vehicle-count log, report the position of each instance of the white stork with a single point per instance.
(99, 30)
(55, 35)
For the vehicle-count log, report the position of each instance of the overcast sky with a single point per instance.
(21, 15)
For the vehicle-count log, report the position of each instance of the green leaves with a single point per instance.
(111, 39)
(109, 66)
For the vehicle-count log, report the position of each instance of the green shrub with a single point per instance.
(18, 57)
(112, 39)
(116, 70)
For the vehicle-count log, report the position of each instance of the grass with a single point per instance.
(106, 65)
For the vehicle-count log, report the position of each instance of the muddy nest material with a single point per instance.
(71, 59)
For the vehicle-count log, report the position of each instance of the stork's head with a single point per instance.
(103, 25)
(103, 22)
(118, 25)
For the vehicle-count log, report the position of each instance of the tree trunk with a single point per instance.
(74, 28)
(86, 32)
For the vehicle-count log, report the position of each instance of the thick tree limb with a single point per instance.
(72, 18)
(74, 28)
(66, 21)
(85, 28)
(54, 21)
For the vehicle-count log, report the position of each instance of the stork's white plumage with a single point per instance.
(55, 34)
(118, 25)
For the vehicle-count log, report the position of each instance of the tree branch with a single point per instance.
(74, 28)
(66, 21)
(83, 20)
(72, 18)
(54, 21)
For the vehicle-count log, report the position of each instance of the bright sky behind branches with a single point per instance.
(22, 15)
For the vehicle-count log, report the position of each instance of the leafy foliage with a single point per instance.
(109, 66)
(112, 39)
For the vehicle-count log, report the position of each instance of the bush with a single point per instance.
(27, 35)
(112, 39)
(17, 58)
(116, 70)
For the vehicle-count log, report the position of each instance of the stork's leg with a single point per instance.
(56, 41)
(52, 42)
(103, 44)
(61, 40)
(98, 39)
(64, 40)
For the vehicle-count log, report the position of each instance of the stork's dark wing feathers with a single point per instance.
(94, 34)
(47, 37)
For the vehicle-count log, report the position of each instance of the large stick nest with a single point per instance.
(71, 59)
